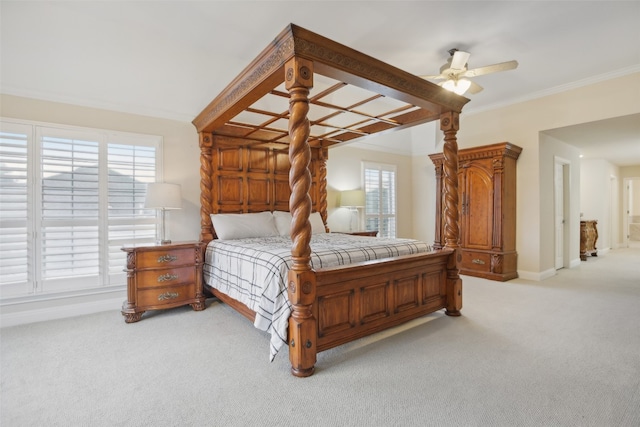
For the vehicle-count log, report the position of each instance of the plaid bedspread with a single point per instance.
(254, 271)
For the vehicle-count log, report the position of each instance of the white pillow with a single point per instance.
(283, 223)
(241, 226)
(317, 225)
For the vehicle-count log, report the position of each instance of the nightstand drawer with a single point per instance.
(477, 261)
(165, 258)
(165, 277)
(168, 295)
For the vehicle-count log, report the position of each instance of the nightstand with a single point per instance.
(163, 276)
(362, 233)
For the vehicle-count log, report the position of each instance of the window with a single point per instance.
(380, 198)
(71, 197)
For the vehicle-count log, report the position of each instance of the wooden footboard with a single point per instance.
(358, 300)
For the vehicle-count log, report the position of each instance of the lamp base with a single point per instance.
(163, 231)
(354, 215)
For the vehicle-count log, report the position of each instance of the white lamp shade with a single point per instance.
(352, 198)
(161, 195)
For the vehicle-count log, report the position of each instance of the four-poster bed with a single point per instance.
(264, 144)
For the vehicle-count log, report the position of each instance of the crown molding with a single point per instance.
(101, 105)
(556, 89)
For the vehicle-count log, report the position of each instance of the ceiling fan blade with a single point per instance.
(459, 60)
(436, 77)
(475, 88)
(503, 66)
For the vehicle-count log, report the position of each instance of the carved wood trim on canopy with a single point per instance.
(423, 101)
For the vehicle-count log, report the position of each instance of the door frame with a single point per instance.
(626, 208)
(566, 212)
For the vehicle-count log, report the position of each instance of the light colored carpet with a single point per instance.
(562, 352)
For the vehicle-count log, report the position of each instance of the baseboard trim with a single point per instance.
(59, 312)
(538, 277)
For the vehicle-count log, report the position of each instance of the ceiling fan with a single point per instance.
(455, 71)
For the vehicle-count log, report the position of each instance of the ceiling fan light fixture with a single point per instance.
(459, 86)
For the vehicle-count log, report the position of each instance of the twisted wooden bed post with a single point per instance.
(322, 203)
(449, 124)
(438, 241)
(206, 184)
(301, 280)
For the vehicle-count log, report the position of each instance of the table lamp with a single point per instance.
(352, 199)
(163, 196)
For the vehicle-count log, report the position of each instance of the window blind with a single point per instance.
(70, 206)
(14, 142)
(130, 169)
(380, 198)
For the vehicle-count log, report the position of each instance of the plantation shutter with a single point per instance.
(14, 230)
(70, 207)
(130, 169)
(380, 198)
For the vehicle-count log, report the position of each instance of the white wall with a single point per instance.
(344, 172)
(550, 149)
(628, 175)
(596, 196)
(634, 198)
(522, 125)
(426, 139)
(424, 198)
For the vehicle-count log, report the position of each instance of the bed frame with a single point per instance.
(264, 145)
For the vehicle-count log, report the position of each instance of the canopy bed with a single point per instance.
(264, 144)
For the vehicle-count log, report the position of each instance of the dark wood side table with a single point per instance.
(588, 239)
(163, 276)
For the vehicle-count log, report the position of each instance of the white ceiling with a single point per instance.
(170, 58)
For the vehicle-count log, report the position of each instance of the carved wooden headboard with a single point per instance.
(239, 176)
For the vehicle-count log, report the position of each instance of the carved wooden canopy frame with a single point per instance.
(270, 105)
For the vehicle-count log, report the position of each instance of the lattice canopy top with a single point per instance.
(353, 95)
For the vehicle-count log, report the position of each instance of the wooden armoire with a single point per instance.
(487, 210)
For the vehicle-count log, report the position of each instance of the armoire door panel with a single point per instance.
(478, 220)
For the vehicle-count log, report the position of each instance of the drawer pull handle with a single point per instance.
(167, 258)
(477, 261)
(167, 277)
(168, 295)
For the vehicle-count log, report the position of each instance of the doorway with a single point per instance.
(631, 209)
